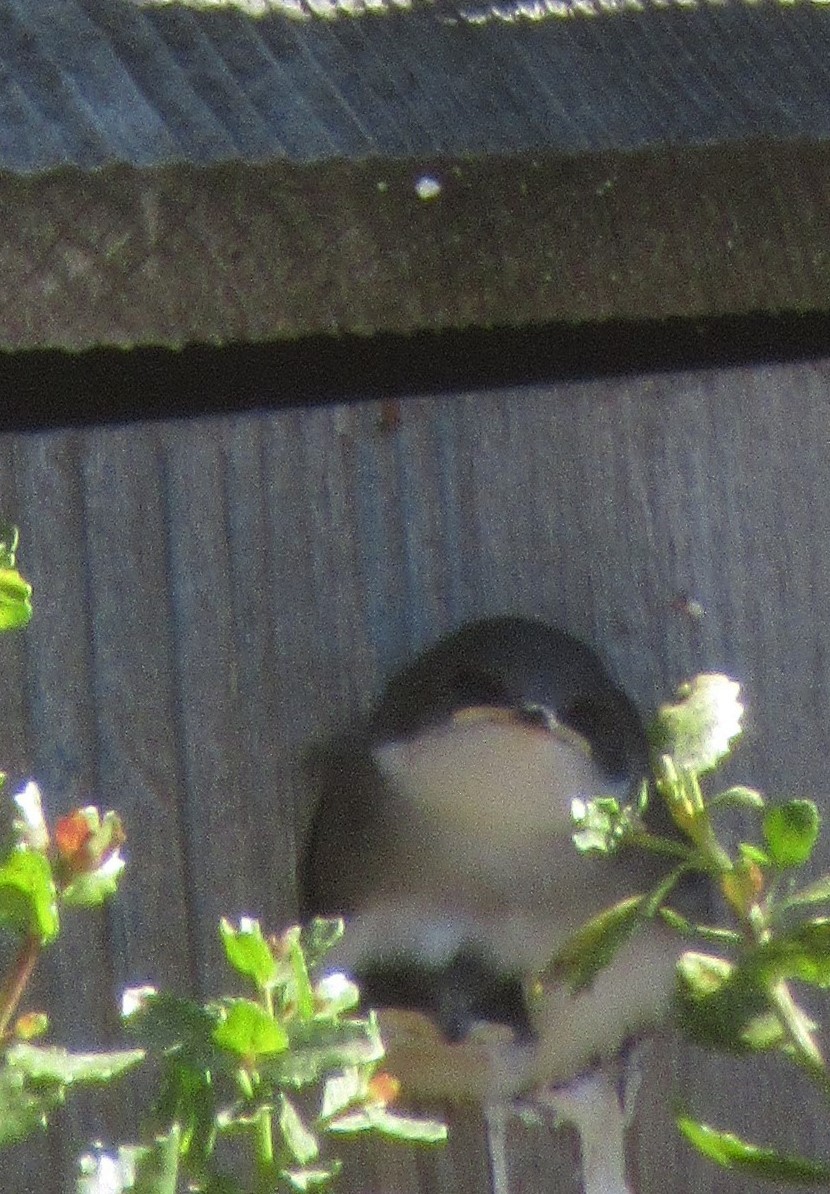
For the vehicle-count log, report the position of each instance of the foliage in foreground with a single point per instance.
(736, 989)
(285, 1069)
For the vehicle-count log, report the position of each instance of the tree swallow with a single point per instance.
(443, 834)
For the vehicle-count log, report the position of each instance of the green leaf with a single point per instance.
(28, 897)
(718, 1004)
(801, 953)
(791, 831)
(731, 1152)
(49, 1063)
(303, 992)
(24, 1109)
(302, 1143)
(749, 853)
(9, 539)
(248, 952)
(324, 1048)
(164, 1022)
(341, 1090)
(187, 1101)
(737, 797)
(157, 1167)
(815, 893)
(93, 888)
(34, 1080)
(705, 932)
(388, 1123)
(593, 946)
(654, 901)
(15, 600)
(704, 974)
(248, 1030)
(319, 938)
(310, 1179)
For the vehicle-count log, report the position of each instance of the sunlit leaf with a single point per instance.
(319, 938)
(738, 797)
(157, 1167)
(248, 952)
(9, 539)
(42, 1063)
(24, 1107)
(164, 1022)
(302, 989)
(389, 1123)
(28, 897)
(95, 887)
(791, 831)
(301, 1142)
(814, 893)
(248, 1030)
(15, 600)
(705, 932)
(341, 1090)
(800, 953)
(730, 1152)
(717, 1004)
(312, 1177)
(323, 1048)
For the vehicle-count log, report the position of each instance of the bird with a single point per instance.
(442, 834)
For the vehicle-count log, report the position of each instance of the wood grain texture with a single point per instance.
(214, 595)
(95, 82)
(241, 252)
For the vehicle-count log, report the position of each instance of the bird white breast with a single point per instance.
(495, 778)
(483, 822)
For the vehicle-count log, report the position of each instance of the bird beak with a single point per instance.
(530, 716)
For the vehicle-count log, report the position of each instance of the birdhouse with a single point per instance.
(331, 327)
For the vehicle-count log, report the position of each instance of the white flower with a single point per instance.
(112, 866)
(31, 825)
(697, 731)
(102, 1174)
(134, 999)
(338, 992)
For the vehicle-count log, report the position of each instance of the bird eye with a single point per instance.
(536, 716)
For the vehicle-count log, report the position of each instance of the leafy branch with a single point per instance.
(737, 994)
(285, 1069)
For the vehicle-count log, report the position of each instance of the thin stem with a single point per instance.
(792, 1021)
(495, 1118)
(264, 1128)
(265, 1138)
(788, 1013)
(662, 845)
(17, 981)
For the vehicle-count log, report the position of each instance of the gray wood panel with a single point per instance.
(92, 82)
(213, 595)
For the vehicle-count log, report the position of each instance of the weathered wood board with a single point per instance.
(213, 594)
